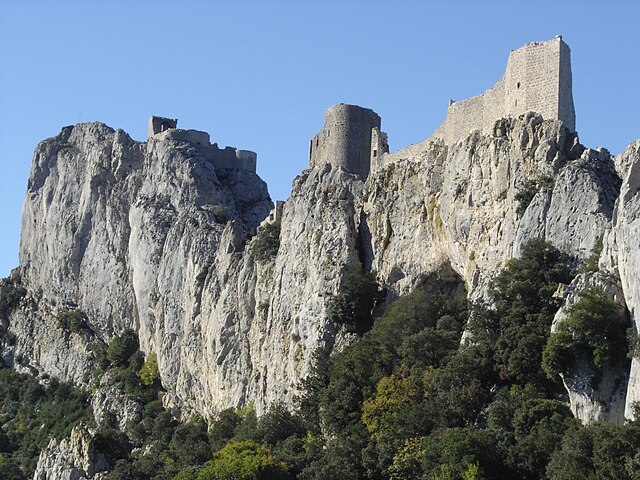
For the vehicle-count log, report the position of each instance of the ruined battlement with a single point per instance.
(161, 124)
(350, 137)
(537, 78)
(227, 158)
(275, 215)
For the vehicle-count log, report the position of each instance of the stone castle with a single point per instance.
(351, 138)
(221, 158)
(537, 78)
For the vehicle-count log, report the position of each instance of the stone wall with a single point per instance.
(275, 215)
(228, 157)
(379, 144)
(160, 124)
(537, 78)
(345, 140)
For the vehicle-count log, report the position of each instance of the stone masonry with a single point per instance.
(161, 124)
(351, 136)
(538, 79)
(228, 157)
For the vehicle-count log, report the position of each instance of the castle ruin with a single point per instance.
(221, 158)
(350, 138)
(537, 79)
(161, 124)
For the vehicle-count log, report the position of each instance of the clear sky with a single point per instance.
(258, 75)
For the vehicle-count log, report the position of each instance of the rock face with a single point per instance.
(72, 458)
(126, 232)
(433, 204)
(153, 237)
(621, 253)
(603, 399)
(110, 406)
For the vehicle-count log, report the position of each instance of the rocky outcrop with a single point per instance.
(125, 232)
(433, 204)
(111, 407)
(73, 458)
(595, 395)
(319, 244)
(621, 253)
(151, 236)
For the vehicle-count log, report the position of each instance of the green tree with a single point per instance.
(393, 394)
(338, 460)
(241, 461)
(599, 450)
(11, 292)
(529, 190)
(407, 462)
(122, 348)
(72, 320)
(308, 403)
(450, 453)
(473, 472)
(149, 374)
(595, 328)
(266, 244)
(359, 294)
(461, 388)
(223, 428)
(524, 309)
(189, 443)
(277, 424)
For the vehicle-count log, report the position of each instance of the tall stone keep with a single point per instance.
(351, 136)
(537, 79)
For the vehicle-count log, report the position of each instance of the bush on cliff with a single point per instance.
(594, 329)
(358, 296)
(266, 243)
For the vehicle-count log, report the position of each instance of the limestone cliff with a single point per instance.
(621, 254)
(73, 458)
(151, 236)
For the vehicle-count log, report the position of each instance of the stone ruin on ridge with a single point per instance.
(227, 158)
(537, 79)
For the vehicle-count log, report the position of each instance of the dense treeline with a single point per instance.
(415, 398)
(30, 414)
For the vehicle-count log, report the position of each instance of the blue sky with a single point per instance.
(258, 75)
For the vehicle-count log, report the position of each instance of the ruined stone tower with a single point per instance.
(161, 124)
(351, 136)
(537, 79)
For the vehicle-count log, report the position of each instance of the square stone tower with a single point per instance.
(537, 79)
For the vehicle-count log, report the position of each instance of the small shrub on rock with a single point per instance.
(267, 242)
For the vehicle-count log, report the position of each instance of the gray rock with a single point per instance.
(72, 458)
(621, 252)
(603, 400)
(152, 237)
(110, 405)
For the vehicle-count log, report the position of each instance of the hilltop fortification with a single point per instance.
(537, 79)
(350, 138)
(227, 158)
